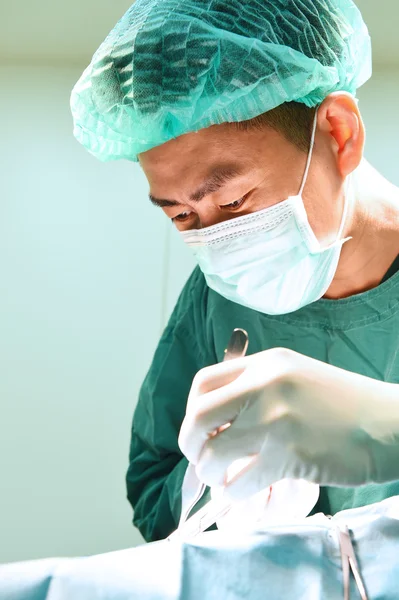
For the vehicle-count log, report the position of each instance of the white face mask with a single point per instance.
(270, 260)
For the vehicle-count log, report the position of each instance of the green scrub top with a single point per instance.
(359, 334)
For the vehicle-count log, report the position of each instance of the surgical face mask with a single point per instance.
(270, 261)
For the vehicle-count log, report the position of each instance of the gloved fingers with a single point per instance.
(251, 480)
(275, 457)
(215, 409)
(237, 401)
(274, 463)
(257, 371)
(245, 438)
(215, 377)
(221, 452)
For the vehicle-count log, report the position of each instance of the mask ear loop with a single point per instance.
(345, 213)
(305, 177)
(338, 241)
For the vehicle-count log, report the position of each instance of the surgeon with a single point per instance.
(244, 118)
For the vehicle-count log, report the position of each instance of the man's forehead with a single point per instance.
(189, 163)
(205, 146)
(213, 179)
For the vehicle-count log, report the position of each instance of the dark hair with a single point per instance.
(292, 119)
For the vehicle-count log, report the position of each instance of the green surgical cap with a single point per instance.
(171, 67)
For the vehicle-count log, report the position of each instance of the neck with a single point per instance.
(373, 224)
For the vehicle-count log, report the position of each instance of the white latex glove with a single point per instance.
(284, 502)
(297, 417)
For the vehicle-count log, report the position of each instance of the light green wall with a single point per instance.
(81, 271)
(84, 260)
(379, 100)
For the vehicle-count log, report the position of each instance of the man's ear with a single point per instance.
(339, 118)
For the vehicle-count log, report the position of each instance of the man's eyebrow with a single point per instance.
(219, 176)
(162, 203)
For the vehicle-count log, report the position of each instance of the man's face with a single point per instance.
(201, 179)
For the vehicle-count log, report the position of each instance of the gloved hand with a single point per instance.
(296, 418)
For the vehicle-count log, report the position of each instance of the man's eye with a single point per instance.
(182, 217)
(235, 205)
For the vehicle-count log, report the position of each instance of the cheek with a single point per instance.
(324, 204)
(265, 198)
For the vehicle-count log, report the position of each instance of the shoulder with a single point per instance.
(193, 300)
(188, 324)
